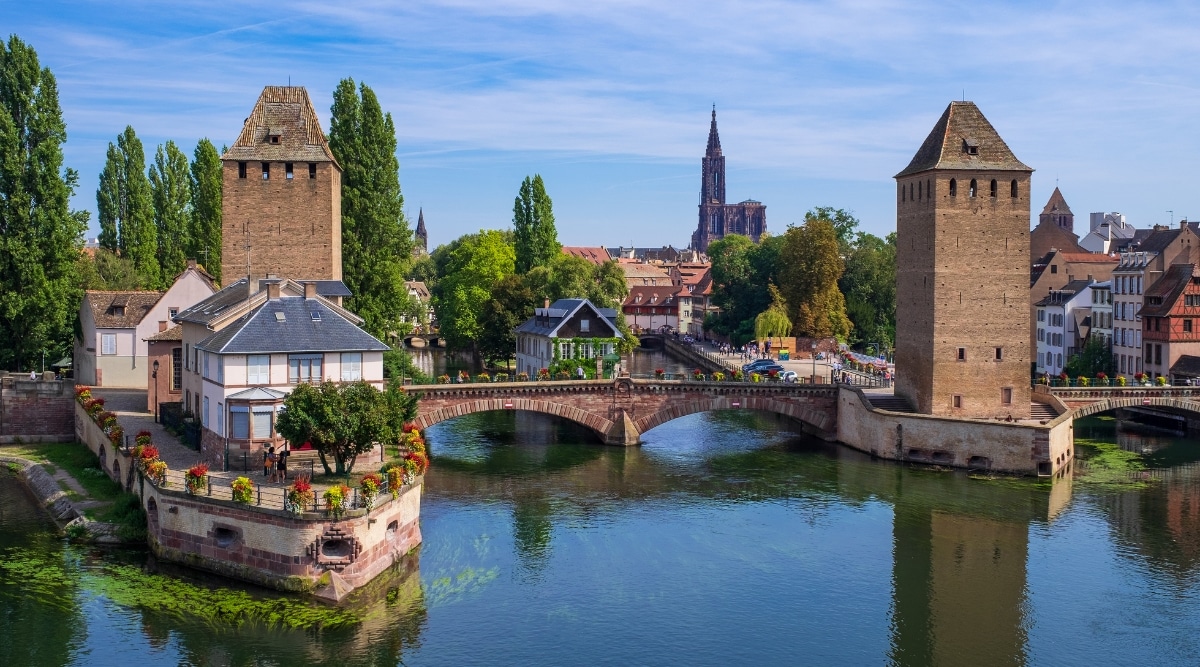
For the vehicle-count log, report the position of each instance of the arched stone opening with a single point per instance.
(593, 422)
(816, 420)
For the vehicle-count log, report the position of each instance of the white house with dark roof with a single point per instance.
(111, 348)
(550, 334)
(245, 351)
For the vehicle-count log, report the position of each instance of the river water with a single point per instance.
(726, 538)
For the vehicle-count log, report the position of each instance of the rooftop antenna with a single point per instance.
(1170, 217)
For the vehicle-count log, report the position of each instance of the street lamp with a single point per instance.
(814, 358)
(154, 375)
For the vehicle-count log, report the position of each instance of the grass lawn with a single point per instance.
(77, 460)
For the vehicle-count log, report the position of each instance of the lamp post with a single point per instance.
(154, 376)
(814, 359)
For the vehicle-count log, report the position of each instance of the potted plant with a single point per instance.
(335, 499)
(1161, 381)
(395, 478)
(522, 377)
(146, 454)
(697, 374)
(368, 488)
(464, 377)
(82, 392)
(1139, 378)
(501, 377)
(659, 373)
(115, 435)
(738, 375)
(483, 377)
(543, 375)
(156, 472)
(242, 490)
(774, 375)
(142, 438)
(299, 495)
(1082, 381)
(443, 379)
(1102, 379)
(718, 376)
(756, 377)
(195, 480)
(1121, 381)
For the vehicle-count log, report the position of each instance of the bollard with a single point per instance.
(210, 485)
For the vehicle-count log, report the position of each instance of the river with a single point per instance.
(726, 538)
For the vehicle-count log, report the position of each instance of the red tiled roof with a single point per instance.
(1090, 257)
(594, 254)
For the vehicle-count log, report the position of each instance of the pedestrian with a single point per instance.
(272, 460)
(33, 375)
(266, 465)
(579, 372)
(281, 467)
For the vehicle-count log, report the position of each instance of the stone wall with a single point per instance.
(35, 410)
(1028, 449)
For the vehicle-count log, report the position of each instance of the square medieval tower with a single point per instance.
(282, 194)
(962, 272)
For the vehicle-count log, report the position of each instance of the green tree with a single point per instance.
(811, 265)
(535, 236)
(869, 284)
(468, 268)
(511, 303)
(742, 272)
(845, 225)
(171, 192)
(106, 270)
(774, 321)
(126, 207)
(376, 240)
(40, 237)
(1095, 357)
(344, 420)
(205, 233)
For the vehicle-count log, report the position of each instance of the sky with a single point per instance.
(818, 103)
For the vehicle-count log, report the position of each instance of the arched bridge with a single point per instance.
(1075, 402)
(620, 410)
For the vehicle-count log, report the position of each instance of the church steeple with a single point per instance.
(714, 140)
(421, 236)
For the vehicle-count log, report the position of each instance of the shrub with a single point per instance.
(562, 375)
(718, 376)
(1121, 381)
(1160, 381)
(242, 490)
(501, 377)
(1083, 381)
(443, 379)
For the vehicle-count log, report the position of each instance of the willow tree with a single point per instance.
(40, 237)
(773, 322)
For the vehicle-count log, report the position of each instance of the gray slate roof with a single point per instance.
(945, 148)
(257, 394)
(265, 332)
(211, 308)
(1064, 294)
(563, 310)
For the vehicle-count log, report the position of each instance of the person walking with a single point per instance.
(281, 466)
(272, 461)
(579, 372)
(266, 463)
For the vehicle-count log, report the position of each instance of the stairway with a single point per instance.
(1041, 411)
(890, 403)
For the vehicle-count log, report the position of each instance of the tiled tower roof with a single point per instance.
(283, 127)
(963, 139)
(1057, 203)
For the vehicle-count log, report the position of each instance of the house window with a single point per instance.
(962, 354)
(1187, 326)
(241, 170)
(221, 369)
(1053, 268)
(287, 170)
(584, 325)
(172, 312)
(261, 421)
(187, 355)
(973, 189)
(957, 401)
(239, 422)
(176, 368)
(351, 366)
(1041, 315)
(1158, 354)
(266, 166)
(1006, 395)
(108, 343)
(205, 420)
(304, 368)
(258, 369)
(312, 169)
(207, 365)
(221, 419)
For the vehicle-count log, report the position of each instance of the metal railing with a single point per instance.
(270, 497)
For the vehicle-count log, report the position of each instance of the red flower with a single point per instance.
(149, 452)
(198, 470)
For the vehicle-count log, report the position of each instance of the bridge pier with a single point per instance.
(623, 432)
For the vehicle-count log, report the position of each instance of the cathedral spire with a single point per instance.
(421, 236)
(714, 140)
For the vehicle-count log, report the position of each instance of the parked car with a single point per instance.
(766, 370)
(789, 376)
(753, 366)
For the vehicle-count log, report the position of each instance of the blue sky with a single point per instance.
(819, 103)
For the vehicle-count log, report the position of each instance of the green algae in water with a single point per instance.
(56, 581)
(1106, 464)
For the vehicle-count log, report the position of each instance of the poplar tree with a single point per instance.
(126, 207)
(533, 226)
(171, 190)
(40, 237)
(205, 233)
(376, 240)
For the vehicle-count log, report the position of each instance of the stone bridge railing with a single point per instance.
(1084, 401)
(620, 410)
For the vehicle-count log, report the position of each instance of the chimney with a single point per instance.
(546, 303)
(310, 290)
(272, 291)
(162, 325)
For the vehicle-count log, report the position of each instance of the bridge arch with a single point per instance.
(599, 425)
(818, 420)
(1104, 405)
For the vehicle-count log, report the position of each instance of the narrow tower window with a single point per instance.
(287, 170)
(974, 188)
(241, 170)
(312, 169)
(953, 188)
(993, 188)
(266, 171)
(1013, 189)
(920, 191)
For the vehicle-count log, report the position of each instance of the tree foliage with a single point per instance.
(469, 267)
(106, 270)
(40, 237)
(774, 321)
(126, 207)
(204, 235)
(869, 284)
(510, 303)
(810, 266)
(1095, 357)
(344, 420)
(171, 192)
(376, 240)
(535, 236)
(742, 272)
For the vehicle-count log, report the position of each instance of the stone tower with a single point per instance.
(962, 272)
(748, 218)
(1057, 212)
(282, 194)
(420, 237)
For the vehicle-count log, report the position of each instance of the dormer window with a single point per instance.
(118, 311)
(273, 135)
(275, 138)
(970, 146)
